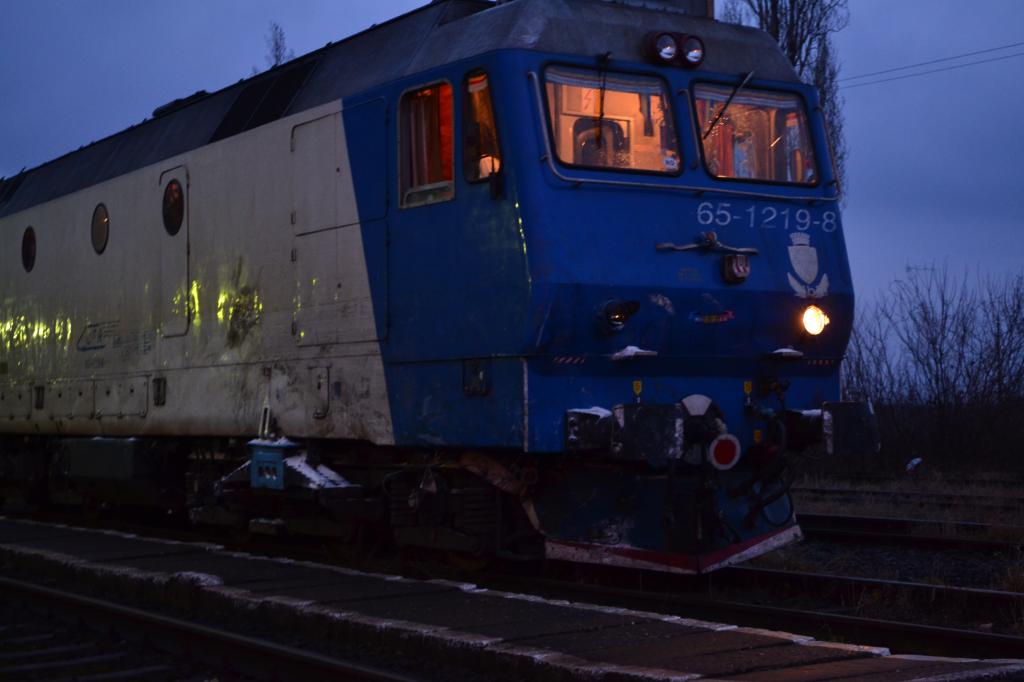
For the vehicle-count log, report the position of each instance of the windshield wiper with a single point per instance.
(721, 112)
(602, 60)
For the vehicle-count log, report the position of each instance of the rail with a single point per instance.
(919, 533)
(260, 658)
(900, 637)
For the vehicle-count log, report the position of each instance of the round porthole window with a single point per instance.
(174, 207)
(100, 228)
(28, 249)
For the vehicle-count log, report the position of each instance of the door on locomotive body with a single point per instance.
(456, 265)
(333, 302)
(175, 303)
(451, 224)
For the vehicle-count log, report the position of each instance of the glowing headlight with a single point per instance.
(693, 51)
(814, 320)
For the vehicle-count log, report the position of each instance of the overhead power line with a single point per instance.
(932, 61)
(925, 73)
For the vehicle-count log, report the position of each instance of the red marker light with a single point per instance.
(724, 452)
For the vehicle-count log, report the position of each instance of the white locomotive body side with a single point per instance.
(261, 300)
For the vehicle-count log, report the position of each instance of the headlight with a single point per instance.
(677, 49)
(815, 320)
(666, 47)
(616, 313)
(662, 47)
(693, 52)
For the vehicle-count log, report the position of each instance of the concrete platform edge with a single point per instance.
(185, 593)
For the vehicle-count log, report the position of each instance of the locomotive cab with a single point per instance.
(690, 299)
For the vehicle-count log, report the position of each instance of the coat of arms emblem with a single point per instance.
(804, 259)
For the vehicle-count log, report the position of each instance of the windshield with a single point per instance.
(611, 120)
(762, 135)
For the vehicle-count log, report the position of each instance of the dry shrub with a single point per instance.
(942, 359)
(1013, 580)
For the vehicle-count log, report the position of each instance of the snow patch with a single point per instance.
(199, 579)
(663, 302)
(599, 412)
(278, 443)
(318, 476)
(633, 352)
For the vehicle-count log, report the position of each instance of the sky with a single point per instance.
(936, 168)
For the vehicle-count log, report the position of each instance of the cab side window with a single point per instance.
(426, 149)
(481, 154)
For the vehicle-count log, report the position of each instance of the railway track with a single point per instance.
(985, 607)
(917, 533)
(827, 623)
(39, 646)
(999, 503)
(1005, 483)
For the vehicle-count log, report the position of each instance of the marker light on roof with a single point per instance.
(666, 47)
(693, 52)
(678, 49)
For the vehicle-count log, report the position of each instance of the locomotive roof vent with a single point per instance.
(179, 103)
(264, 99)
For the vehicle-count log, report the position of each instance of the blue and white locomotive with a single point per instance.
(533, 278)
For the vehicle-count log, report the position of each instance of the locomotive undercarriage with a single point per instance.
(360, 493)
(473, 503)
(401, 497)
(639, 485)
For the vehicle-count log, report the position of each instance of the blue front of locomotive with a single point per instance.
(646, 308)
(670, 286)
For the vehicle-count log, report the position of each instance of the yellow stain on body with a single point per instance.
(176, 302)
(21, 332)
(230, 302)
(193, 300)
(14, 333)
(41, 331)
(223, 312)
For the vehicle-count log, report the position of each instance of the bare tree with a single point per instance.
(277, 49)
(804, 29)
(942, 357)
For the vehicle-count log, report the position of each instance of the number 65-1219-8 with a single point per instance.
(765, 217)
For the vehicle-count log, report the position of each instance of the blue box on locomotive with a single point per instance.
(266, 463)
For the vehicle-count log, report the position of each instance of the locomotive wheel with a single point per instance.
(468, 563)
(596, 574)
